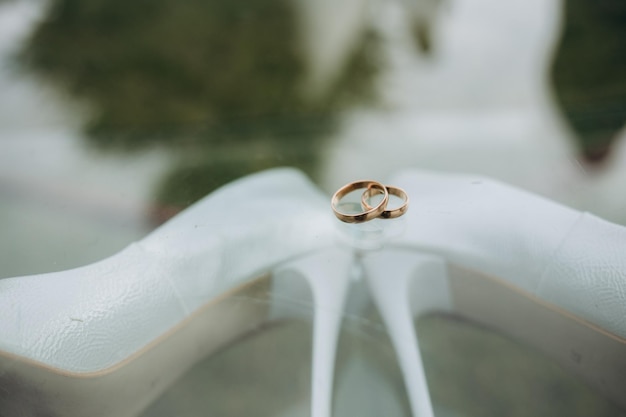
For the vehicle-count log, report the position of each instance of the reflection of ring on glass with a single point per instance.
(370, 212)
(387, 214)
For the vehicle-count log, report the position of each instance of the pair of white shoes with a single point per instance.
(127, 327)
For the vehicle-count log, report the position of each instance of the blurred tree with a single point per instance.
(198, 74)
(589, 72)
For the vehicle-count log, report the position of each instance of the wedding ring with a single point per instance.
(370, 212)
(387, 214)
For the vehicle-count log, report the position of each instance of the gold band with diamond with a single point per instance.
(387, 214)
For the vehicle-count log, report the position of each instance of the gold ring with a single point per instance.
(370, 212)
(388, 214)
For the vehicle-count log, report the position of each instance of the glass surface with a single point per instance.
(269, 374)
(471, 372)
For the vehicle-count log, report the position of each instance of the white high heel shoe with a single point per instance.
(542, 273)
(80, 338)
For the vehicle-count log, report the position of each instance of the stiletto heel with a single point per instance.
(392, 277)
(328, 275)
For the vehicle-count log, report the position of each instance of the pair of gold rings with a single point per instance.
(370, 212)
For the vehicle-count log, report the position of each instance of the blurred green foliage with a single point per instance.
(200, 75)
(589, 72)
(211, 167)
(215, 79)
